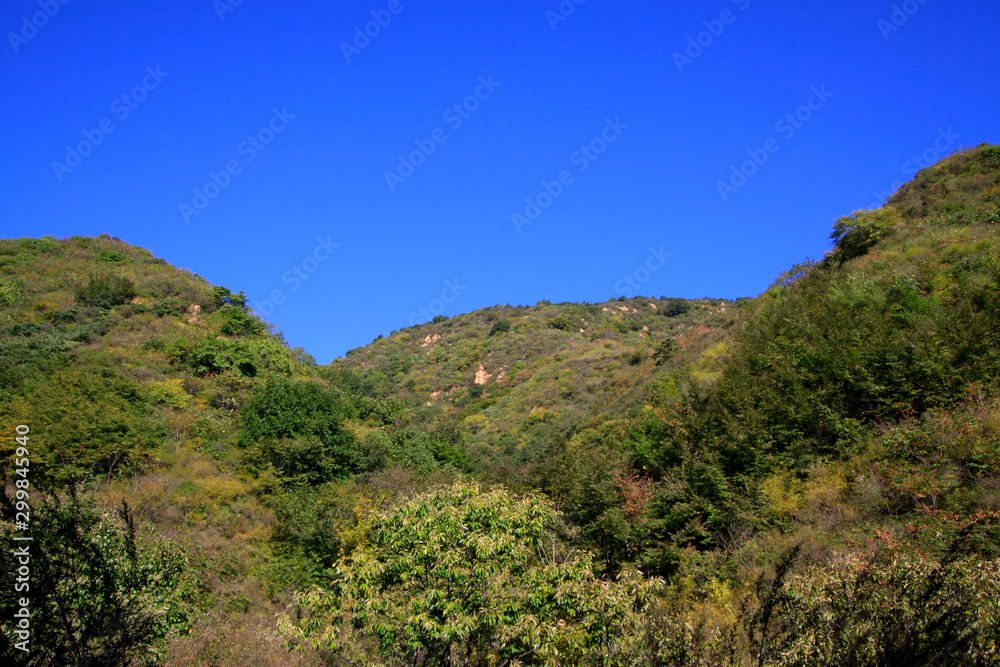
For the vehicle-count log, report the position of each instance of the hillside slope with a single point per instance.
(495, 369)
(769, 459)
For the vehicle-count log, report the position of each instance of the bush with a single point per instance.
(98, 597)
(888, 608)
(297, 429)
(168, 307)
(561, 322)
(675, 307)
(499, 327)
(855, 234)
(106, 291)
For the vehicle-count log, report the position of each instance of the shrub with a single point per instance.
(888, 609)
(561, 322)
(675, 307)
(106, 291)
(297, 429)
(855, 234)
(500, 326)
(166, 307)
(98, 596)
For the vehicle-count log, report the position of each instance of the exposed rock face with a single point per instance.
(428, 339)
(194, 310)
(481, 375)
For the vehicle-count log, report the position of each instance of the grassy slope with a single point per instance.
(560, 360)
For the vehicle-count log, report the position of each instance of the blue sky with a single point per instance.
(466, 154)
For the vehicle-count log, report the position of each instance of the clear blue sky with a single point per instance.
(661, 131)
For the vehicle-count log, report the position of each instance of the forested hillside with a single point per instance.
(808, 477)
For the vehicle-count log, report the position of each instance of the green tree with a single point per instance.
(297, 429)
(97, 595)
(674, 307)
(461, 576)
(854, 235)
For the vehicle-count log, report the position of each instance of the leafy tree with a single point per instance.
(855, 234)
(248, 356)
(97, 595)
(297, 428)
(472, 577)
(238, 321)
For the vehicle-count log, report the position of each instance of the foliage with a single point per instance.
(248, 357)
(106, 291)
(98, 594)
(856, 234)
(463, 576)
(95, 421)
(890, 606)
(675, 307)
(297, 429)
(499, 326)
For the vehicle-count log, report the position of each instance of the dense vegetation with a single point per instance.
(809, 477)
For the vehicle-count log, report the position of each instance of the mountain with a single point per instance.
(834, 438)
